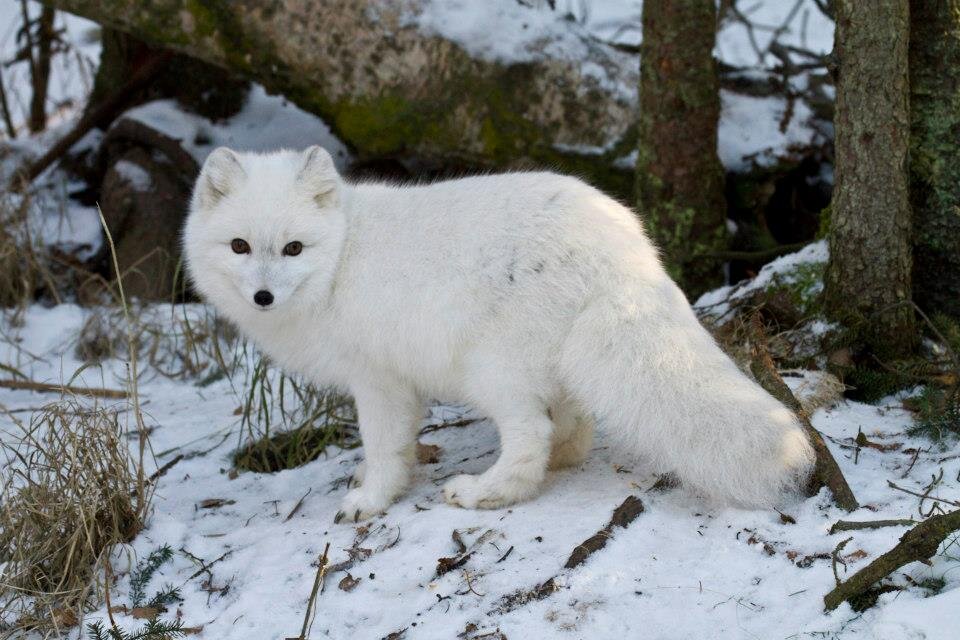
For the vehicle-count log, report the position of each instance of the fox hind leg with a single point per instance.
(572, 435)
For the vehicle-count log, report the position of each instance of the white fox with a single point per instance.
(532, 297)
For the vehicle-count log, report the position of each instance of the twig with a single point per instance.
(826, 472)
(322, 565)
(623, 515)
(101, 115)
(917, 544)
(5, 110)
(163, 470)
(430, 428)
(922, 495)
(848, 525)
(297, 506)
(96, 392)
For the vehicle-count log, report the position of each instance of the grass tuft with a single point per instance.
(70, 492)
(286, 423)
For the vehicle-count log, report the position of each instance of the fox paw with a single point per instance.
(359, 471)
(471, 492)
(357, 506)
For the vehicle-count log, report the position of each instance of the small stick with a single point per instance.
(45, 387)
(848, 525)
(922, 495)
(324, 562)
(297, 506)
(917, 544)
(827, 472)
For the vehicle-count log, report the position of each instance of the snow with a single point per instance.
(750, 130)
(782, 269)
(683, 569)
(134, 174)
(265, 123)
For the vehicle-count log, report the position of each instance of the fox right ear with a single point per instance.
(221, 173)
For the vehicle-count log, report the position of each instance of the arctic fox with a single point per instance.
(532, 297)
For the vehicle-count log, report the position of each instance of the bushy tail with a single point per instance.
(646, 369)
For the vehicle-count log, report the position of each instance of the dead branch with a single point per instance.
(848, 525)
(826, 471)
(45, 387)
(623, 515)
(916, 545)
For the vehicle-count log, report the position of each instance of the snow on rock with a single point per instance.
(265, 123)
(682, 570)
(752, 129)
(783, 270)
(134, 174)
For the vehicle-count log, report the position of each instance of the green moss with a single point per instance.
(937, 414)
(803, 285)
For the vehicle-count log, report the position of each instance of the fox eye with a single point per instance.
(293, 248)
(239, 246)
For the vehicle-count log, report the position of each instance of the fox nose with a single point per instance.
(263, 298)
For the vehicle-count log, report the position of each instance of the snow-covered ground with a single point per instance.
(682, 569)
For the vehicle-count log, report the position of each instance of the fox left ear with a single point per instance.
(319, 175)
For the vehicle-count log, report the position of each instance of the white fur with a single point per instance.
(531, 296)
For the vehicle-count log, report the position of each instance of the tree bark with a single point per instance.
(679, 175)
(868, 276)
(390, 90)
(935, 153)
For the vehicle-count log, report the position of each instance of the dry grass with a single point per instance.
(285, 423)
(183, 342)
(71, 490)
(25, 267)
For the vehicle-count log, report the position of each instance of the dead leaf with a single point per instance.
(145, 613)
(859, 554)
(348, 583)
(65, 618)
(428, 453)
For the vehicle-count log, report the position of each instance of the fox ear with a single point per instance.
(319, 176)
(221, 173)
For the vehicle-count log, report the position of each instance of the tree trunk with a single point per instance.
(679, 175)
(868, 277)
(40, 70)
(935, 153)
(388, 89)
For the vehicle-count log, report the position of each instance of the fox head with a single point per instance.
(265, 231)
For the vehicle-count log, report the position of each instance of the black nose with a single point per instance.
(263, 298)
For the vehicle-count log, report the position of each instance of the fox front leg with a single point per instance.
(388, 415)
